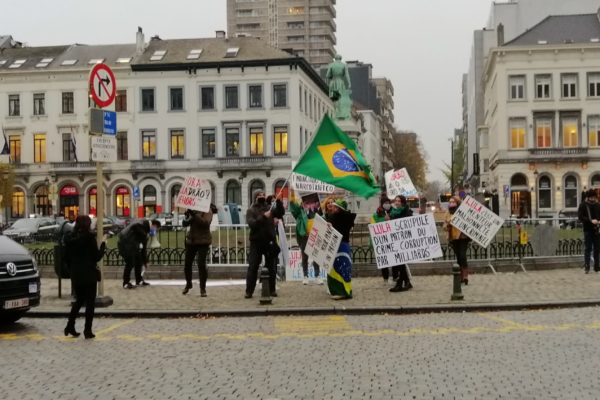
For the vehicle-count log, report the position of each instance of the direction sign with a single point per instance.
(103, 122)
(104, 148)
(136, 192)
(103, 86)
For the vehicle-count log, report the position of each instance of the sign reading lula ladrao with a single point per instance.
(195, 194)
(323, 243)
(403, 240)
(398, 183)
(477, 221)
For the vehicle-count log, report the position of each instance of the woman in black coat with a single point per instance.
(82, 255)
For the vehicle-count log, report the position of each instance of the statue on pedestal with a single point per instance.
(338, 80)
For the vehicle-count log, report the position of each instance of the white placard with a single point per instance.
(477, 221)
(104, 148)
(404, 240)
(293, 269)
(398, 183)
(323, 243)
(303, 183)
(195, 194)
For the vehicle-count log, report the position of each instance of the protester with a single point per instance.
(589, 215)
(400, 209)
(383, 214)
(276, 206)
(197, 242)
(82, 254)
(260, 220)
(458, 240)
(339, 278)
(132, 244)
(304, 222)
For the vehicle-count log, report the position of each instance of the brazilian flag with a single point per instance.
(334, 158)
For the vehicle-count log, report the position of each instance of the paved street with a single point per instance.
(508, 355)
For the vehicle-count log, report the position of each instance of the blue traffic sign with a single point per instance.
(136, 192)
(110, 122)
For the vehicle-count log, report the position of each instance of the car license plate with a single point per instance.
(33, 287)
(8, 304)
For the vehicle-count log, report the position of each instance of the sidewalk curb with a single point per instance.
(336, 310)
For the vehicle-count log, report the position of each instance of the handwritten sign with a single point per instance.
(404, 240)
(195, 194)
(293, 269)
(303, 183)
(476, 221)
(323, 243)
(398, 183)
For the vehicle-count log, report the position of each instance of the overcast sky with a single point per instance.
(422, 46)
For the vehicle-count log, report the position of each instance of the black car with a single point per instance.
(19, 281)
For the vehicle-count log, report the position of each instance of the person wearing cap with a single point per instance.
(589, 214)
(132, 244)
(339, 277)
(458, 240)
(383, 214)
(400, 209)
(260, 217)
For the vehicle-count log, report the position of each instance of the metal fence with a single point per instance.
(230, 247)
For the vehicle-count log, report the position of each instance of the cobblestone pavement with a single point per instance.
(549, 354)
(562, 285)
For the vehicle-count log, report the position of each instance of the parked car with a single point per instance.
(19, 281)
(26, 229)
(118, 224)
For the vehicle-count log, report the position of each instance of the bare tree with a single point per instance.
(408, 152)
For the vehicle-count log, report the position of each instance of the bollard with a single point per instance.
(265, 293)
(457, 289)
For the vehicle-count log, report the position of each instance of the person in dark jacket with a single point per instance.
(260, 217)
(82, 255)
(401, 209)
(339, 277)
(132, 244)
(589, 215)
(197, 242)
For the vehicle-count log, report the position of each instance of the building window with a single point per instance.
(39, 104)
(517, 133)
(305, 103)
(231, 97)
(545, 192)
(92, 201)
(256, 184)
(569, 86)
(17, 209)
(542, 86)
(121, 101)
(517, 87)
(594, 131)
(148, 100)
(594, 84)
(176, 99)
(14, 105)
(257, 141)
(177, 143)
(543, 132)
(281, 191)
(39, 148)
(14, 145)
(232, 142)
(310, 106)
(122, 202)
(571, 192)
(149, 200)
(68, 147)
(208, 143)
(148, 145)
(300, 98)
(68, 104)
(570, 132)
(233, 192)
(280, 139)
(42, 205)
(122, 154)
(255, 96)
(207, 95)
(280, 95)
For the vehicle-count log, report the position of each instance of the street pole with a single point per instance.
(452, 166)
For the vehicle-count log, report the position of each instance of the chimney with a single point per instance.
(500, 32)
(220, 34)
(139, 41)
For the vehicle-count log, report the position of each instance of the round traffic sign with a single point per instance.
(103, 86)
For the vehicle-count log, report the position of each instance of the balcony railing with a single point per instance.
(244, 162)
(558, 151)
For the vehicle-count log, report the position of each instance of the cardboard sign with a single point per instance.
(398, 183)
(195, 194)
(404, 240)
(303, 183)
(323, 243)
(293, 269)
(477, 221)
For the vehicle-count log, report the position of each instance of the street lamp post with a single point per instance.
(452, 166)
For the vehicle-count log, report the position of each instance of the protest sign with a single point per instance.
(293, 269)
(398, 183)
(195, 194)
(303, 183)
(404, 240)
(476, 221)
(323, 243)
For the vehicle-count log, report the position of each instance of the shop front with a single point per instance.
(69, 201)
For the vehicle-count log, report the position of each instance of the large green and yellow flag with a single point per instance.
(333, 157)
